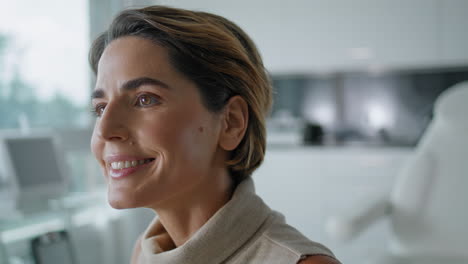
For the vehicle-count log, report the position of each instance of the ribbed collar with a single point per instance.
(224, 233)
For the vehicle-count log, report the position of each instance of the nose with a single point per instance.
(112, 125)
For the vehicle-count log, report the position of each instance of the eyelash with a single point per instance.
(97, 109)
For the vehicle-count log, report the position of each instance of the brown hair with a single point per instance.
(216, 55)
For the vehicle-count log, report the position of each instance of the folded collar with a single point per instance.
(224, 233)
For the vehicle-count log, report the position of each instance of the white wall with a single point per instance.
(304, 36)
(453, 30)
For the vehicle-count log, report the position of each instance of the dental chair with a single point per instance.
(428, 207)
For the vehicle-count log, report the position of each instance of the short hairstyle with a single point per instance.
(217, 55)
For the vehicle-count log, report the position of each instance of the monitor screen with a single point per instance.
(34, 161)
(51, 248)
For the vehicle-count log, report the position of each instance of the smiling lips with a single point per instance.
(118, 165)
(119, 168)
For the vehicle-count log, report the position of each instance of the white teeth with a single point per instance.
(127, 164)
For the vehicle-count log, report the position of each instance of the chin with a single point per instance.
(121, 201)
(118, 205)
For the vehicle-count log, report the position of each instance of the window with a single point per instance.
(44, 75)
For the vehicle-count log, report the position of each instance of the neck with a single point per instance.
(182, 217)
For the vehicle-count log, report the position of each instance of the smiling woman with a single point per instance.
(180, 101)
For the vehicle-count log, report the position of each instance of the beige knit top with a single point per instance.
(245, 230)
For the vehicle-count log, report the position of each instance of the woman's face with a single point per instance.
(153, 138)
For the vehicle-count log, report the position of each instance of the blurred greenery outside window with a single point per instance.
(44, 77)
(44, 72)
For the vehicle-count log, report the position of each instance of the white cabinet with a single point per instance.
(310, 184)
(334, 35)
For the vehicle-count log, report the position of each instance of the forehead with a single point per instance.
(131, 57)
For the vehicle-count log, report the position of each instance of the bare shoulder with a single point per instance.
(318, 260)
(136, 251)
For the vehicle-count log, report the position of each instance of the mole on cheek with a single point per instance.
(201, 129)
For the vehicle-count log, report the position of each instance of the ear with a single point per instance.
(234, 123)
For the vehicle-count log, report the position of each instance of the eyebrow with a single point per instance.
(131, 85)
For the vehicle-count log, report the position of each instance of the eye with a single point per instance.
(145, 100)
(98, 110)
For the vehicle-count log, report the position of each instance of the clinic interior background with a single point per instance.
(355, 84)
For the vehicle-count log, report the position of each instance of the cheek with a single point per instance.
(96, 147)
(170, 134)
(184, 136)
